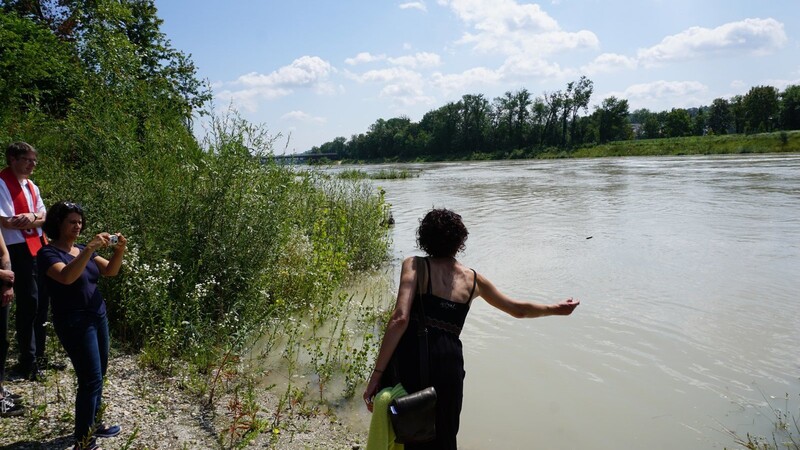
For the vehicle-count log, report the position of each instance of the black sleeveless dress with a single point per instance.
(445, 319)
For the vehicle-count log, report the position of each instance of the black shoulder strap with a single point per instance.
(430, 285)
(474, 283)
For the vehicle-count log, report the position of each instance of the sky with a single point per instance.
(311, 71)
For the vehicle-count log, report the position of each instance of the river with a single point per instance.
(687, 273)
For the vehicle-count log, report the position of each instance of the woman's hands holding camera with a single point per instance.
(100, 240)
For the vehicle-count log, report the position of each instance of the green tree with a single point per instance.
(720, 117)
(503, 121)
(699, 122)
(554, 104)
(37, 71)
(738, 114)
(443, 125)
(611, 119)
(678, 123)
(790, 108)
(120, 41)
(761, 109)
(581, 94)
(640, 118)
(475, 123)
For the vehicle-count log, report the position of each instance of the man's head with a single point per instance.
(21, 157)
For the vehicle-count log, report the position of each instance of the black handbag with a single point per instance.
(413, 416)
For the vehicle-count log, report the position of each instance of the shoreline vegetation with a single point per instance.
(760, 143)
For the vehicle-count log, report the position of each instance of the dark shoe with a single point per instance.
(8, 394)
(35, 375)
(45, 363)
(106, 431)
(56, 365)
(10, 409)
(18, 373)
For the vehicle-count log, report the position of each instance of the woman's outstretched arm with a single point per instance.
(518, 308)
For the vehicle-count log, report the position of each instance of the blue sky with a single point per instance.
(315, 70)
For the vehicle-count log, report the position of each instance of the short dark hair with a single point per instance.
(56, 216)
(17, 149)
(441, 233)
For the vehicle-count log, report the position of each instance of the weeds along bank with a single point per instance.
(224, 250)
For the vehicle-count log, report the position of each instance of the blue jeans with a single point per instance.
(85, 338)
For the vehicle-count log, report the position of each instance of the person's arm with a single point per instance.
(521, 309)
(68, 273)
(25, 221)
(6, 275)
(396, 327)
(110, 268)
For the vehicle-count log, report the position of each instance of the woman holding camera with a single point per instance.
(79, 311)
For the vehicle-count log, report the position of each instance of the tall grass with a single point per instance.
(221, 246)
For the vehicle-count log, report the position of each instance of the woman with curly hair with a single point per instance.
(446, 288)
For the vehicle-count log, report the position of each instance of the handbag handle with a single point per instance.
(422, 333)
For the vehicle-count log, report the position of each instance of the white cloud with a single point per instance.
(609, 62)
(401, 86)
(523, 66)
(509, 27)
(463, 82)
(738, 84)
(657, 94)
(419, 60)
(248, 99)
(405, 94)
(414, 5)
(307, 72)
(301, 116)
(780, 84)
(302, 72)
(386, 75)
(749, 36)
(364, 57)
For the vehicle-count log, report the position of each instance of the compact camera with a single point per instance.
(112, 240)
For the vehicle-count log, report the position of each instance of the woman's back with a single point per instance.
(449, 279)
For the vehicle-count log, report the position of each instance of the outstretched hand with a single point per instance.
(565, 308)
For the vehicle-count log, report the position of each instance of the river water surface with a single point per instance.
(687, 269)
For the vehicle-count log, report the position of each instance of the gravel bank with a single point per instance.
(155, 413)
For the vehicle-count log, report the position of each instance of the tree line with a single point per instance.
(518, 125)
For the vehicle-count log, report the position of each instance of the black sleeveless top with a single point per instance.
(445, 319)
(441, 313)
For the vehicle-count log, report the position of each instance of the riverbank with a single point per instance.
(775, 142)
(157, 412)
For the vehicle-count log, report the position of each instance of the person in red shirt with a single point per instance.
(22, 213)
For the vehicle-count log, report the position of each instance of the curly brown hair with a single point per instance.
(441, 233)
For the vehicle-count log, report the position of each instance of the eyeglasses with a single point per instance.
(74, 207)
(29, 160)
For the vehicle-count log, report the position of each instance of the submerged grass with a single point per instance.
(383, 174)
(785, 434)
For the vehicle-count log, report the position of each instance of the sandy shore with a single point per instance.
(156, 413)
